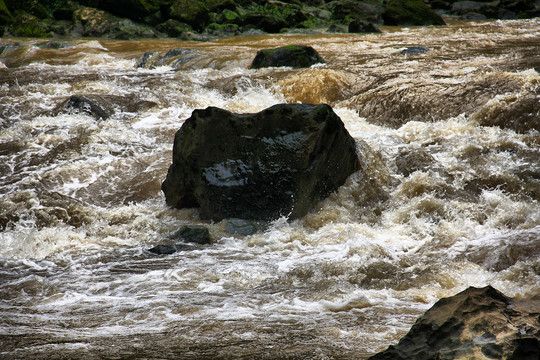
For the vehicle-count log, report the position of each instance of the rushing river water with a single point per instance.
(80, 199)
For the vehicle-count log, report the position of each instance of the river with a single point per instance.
(80, 198)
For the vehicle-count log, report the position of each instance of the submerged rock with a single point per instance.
(295, 56)
(189, 237)
(196, 234)
(174, 58)
(414, 50)
(91, 105)
(477, 323)
(242, 227)
(278, 162)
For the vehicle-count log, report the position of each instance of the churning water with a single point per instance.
(454, 146)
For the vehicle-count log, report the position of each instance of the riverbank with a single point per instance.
(209, 19)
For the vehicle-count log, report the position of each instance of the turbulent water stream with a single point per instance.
(454, 147)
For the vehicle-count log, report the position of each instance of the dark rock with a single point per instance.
(367, 10)
(361, 26)
(266, 22)
(63, 13)
(174, 58)
(475, 323)
(473, 16)
(27, 25)
(5, 15)
(279, 162)
(295, 56)
(414, 50)
(54, 45)
(99, 23)
(409, 161)
(242, 227)
(174, 28)
(91, 105)
(132, 9)
(194, 13)
(193, 234)
(410, 12)
(149, 60)
(163, 249)
(335, 28)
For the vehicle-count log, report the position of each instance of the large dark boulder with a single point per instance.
(477, 323)
(194, 13)
(410, 12)
(278, 162)
(295, 56)
(344, 10)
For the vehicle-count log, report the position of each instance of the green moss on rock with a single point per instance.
(194, 13)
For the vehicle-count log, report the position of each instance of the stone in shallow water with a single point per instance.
(278, 162)
(91, 105)
(196, 234)
(414, 50)
(295, 56)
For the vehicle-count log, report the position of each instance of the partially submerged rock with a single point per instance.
(188, 237)
(196, 234)
(295, 56)
(478, 323)
(279, 162)
(414, 50)
(91, 105)
(175, 58)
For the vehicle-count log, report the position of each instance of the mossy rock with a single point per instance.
(345, 11)
(133, 9)
(5, 15)
(26, 25)
(410, 13)
(174, 28)
(219, 5)
(36, 8)
(194, 13)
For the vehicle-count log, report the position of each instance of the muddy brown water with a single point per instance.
(453, 140)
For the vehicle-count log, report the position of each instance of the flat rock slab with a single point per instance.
(278, 162)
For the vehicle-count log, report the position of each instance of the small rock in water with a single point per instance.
(91, 105)
(193, 234)
(242, 227)
(414, 50)
(54, 45)
(295, 56)
(163, 249)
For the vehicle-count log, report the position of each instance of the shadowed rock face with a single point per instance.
(295, 56)
(279, 162)
(477, 323)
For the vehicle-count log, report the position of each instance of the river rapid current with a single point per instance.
(456, 147)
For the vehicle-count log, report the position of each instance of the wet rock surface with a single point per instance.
(279, 162)
(295, 56)
(91, 105)
(474, 324)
